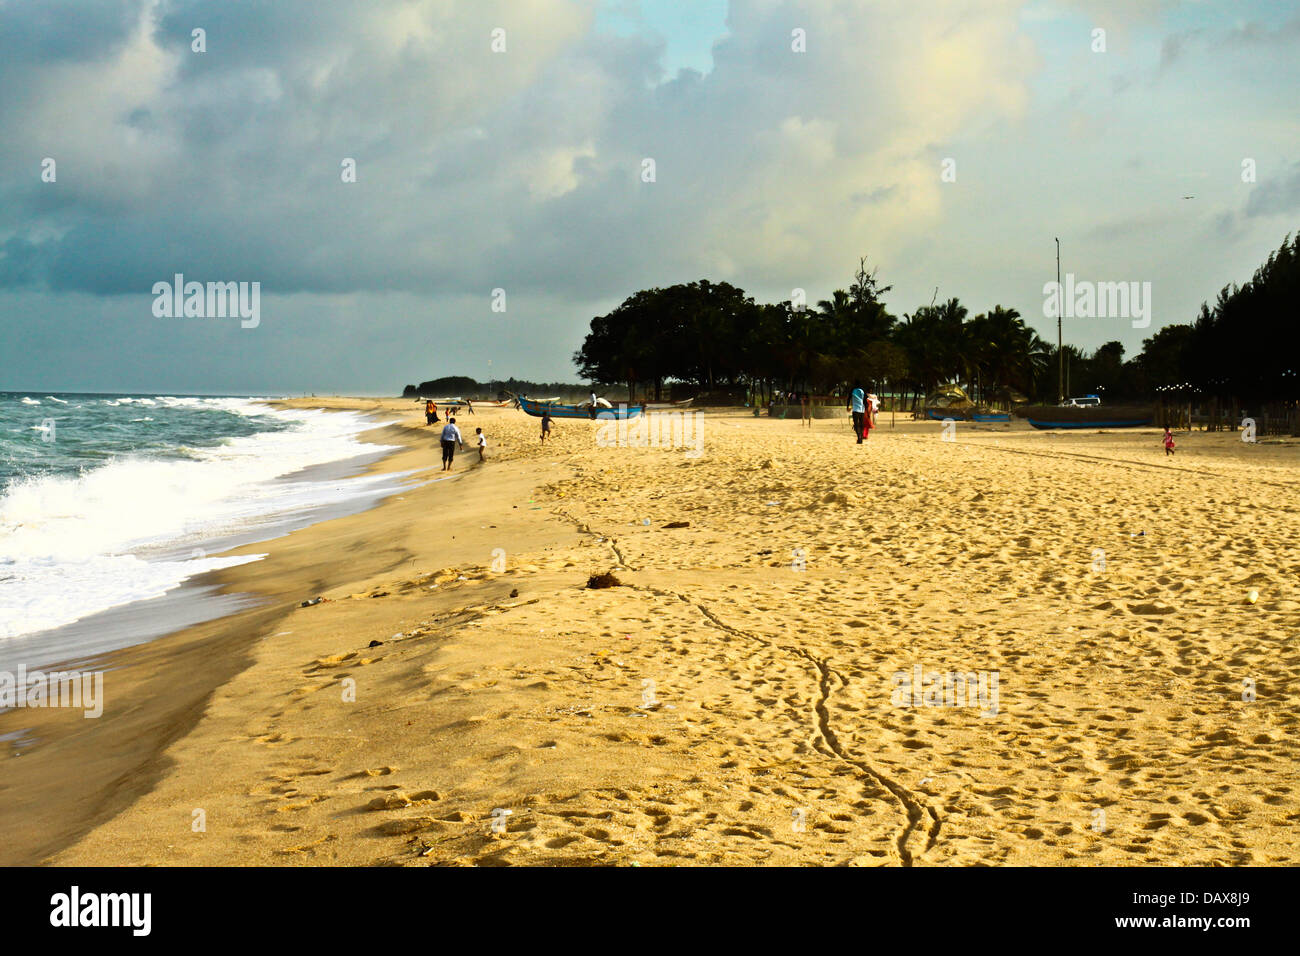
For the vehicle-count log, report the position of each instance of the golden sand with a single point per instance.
(735, 700)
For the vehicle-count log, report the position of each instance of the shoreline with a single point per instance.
(686, 716)
(160, 686)
(201, 597)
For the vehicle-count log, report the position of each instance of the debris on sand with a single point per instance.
(605, 580)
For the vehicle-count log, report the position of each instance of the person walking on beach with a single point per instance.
(450, 439)
(430, 412)
(469, 406)
(805, 410)
(868, 418)
(546, 424)
(857, 405)
(1169, 442)
(482, 442)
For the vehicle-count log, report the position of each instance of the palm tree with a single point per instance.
(948, 321)
(918, 335)
(1008, 348)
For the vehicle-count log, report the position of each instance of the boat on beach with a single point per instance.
(943, 414)
(1088, 416)
(586, 410)
(966, 415)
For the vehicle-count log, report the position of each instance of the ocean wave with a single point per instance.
(58, 531)
(36, 592)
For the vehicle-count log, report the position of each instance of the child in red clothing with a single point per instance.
(1169, 442)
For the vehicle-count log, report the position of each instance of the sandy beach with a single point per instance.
(461, 697)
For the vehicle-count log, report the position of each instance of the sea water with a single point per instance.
(111, 500)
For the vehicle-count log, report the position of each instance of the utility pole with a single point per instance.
(1060, 351)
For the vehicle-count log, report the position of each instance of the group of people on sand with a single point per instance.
(451, 438)
(431, 410)
(863, 406)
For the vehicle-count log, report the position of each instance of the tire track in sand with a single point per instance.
(919, 813)
(583, 527)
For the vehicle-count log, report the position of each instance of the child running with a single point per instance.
(546, 424)
(450, 439)
(482, 442)
(1169, 442)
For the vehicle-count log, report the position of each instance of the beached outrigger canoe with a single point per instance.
(535, 408)
(943, 414)
(966, 414)
(1088, 416)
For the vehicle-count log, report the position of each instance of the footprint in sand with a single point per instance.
(275, 740)
(399, 800)
(380, 772)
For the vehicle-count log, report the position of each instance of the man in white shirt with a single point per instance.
(450, 439)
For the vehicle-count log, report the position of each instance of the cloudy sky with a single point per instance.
(522, 169)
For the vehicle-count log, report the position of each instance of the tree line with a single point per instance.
(465, 387)
(714, 337)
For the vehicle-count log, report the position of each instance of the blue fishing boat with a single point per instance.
(1088, 416)
(585, 410)
(965, 415)
(943, 414)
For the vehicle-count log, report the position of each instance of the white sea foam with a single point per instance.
(73, 546)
